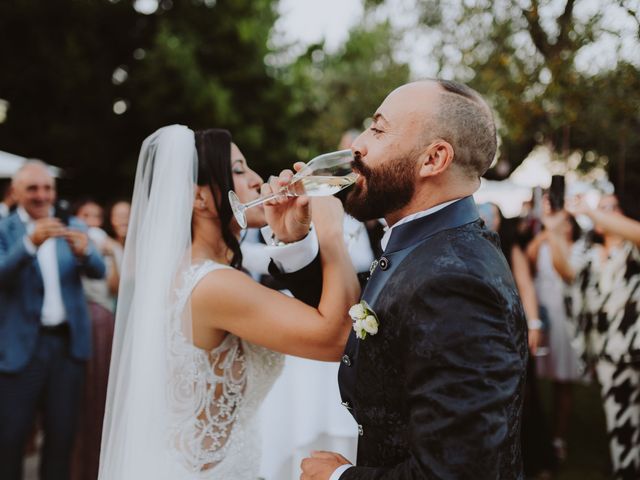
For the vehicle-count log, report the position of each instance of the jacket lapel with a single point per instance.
(16, 227)
(18, 231)
(455, 215)
(404, 239)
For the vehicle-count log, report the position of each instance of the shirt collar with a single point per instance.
(414, 216)
(24, 216)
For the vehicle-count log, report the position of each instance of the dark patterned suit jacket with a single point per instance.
(437, 392)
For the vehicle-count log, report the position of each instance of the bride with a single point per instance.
(198, 343)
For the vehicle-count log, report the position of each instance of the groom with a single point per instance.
(437, 391)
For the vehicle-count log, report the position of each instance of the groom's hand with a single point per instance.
(321, 465)
(288, 217)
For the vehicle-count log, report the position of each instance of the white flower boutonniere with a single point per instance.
(364, 319)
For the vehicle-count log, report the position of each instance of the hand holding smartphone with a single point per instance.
(63, 211)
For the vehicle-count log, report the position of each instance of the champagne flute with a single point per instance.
(325, 174)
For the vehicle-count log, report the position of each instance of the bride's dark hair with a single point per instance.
(214, 169)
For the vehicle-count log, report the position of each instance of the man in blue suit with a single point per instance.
(45, 335)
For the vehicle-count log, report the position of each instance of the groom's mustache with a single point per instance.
(359, 167)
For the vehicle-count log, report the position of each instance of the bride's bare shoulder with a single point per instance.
(222, 286)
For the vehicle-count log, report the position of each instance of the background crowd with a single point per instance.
(55, 374)
(575, 260)
(580, 290)
(83, 91)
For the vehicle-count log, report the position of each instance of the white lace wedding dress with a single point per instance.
(221, 441)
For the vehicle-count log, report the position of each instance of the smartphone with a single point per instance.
(556, 193)
(63, 211)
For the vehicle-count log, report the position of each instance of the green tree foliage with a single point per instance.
(524, 56)
(609, 124)
(204, 67)
(68, 65)
(87, 80)
(57, 59)
(335, 92)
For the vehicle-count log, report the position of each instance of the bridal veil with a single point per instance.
(150, 393)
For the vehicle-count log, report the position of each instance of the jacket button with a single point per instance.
(384, 263)
(346, 360)
(360, 430)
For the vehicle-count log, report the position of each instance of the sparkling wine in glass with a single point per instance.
(326, 174)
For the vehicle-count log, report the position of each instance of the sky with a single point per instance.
(303, 22)
(308, 21)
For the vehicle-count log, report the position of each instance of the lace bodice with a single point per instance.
(217, 435)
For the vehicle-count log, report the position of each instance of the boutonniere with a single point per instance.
(365, 320)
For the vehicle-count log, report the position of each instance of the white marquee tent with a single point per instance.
(10, 163)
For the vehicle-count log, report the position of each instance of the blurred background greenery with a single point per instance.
(86, 80)
(587, 443)
(83, 82)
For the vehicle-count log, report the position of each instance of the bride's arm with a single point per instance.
(230, 300)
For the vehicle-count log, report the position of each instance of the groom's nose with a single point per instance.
(358, 147)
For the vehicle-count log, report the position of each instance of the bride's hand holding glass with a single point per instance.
(325, 174)
(289, 217)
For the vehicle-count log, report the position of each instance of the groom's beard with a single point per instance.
(385, 189)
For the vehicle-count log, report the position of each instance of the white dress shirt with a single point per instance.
(294, 256)
(53, 311)
(384, 241)
(337, 473)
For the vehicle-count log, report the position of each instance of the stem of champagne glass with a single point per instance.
(282, 192)
(260, 200)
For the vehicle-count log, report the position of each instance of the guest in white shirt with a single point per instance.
(101, 291)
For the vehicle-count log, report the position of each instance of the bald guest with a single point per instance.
(45, 336)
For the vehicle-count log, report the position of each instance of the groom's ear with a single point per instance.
(435, 159)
